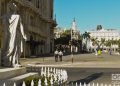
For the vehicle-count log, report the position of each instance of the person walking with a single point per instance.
(60, 55)
(96, 52)
(56, 55)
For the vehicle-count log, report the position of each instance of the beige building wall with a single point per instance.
(37, 17)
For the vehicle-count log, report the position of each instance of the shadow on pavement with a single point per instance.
(86, 80)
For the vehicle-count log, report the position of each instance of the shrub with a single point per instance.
(36, 79)
(29, 79)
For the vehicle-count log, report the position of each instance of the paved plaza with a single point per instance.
(79, 61)
(86, 68)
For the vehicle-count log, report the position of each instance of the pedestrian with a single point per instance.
(60, 55)
(56, 55)
(110, 52)
(96, 53)
(99, 52)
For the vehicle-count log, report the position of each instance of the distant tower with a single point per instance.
(74, 31)
(74, 26)
(74, 36)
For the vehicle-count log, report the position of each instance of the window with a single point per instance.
(37, 4)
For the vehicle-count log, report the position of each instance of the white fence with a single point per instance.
(76, 84)
(92, 84)
(57, 77)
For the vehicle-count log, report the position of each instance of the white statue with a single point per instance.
(13, 37)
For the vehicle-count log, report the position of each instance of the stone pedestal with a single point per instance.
(6, 73)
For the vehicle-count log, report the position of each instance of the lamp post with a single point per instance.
(71, 46)
(73, 29)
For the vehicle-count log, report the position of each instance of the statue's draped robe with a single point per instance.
(13, 40)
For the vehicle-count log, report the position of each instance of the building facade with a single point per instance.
(107, 34)
(37, 18)
(58, 31)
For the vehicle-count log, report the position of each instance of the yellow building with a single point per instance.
(37, 17)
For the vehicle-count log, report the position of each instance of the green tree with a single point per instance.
(102, 42)
(118, 45)
(86, 36)
(98, 43)
(94, 41)
(66, 33)
(108, 43)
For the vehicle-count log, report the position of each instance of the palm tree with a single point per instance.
(108, 43)
(94, 41)
(102, 42)
(118, 45)
(86, 36)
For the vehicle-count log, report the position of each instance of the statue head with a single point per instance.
(12, 7)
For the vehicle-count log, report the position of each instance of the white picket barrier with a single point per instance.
(57, 77)
(14, 84)
(32, 83)
(4, 84)
(75, 84)
(39, 82)
(23, 84)
(93, 84)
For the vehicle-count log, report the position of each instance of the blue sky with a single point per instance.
(88, 13)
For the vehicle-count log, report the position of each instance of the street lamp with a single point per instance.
(71, 45)
(73, 31)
